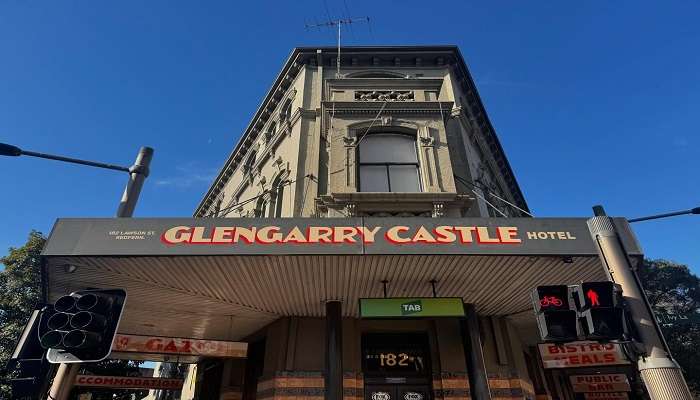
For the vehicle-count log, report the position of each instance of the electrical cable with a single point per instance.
(492, 194)
(371, 124)
(473, 190)
(226, 210)
(487, 202)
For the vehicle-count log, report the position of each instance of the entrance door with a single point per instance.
(396, 366)
(397, 392)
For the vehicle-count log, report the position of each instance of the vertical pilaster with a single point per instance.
(474, 355)
(334, 351)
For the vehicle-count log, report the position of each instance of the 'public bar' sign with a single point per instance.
(600, 383)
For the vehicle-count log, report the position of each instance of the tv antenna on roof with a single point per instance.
(339, 23)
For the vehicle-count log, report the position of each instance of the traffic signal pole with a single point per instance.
(661, 374)
(65, 376)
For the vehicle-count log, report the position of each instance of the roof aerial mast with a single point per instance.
(339, 23)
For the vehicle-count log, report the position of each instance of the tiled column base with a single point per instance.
(291, 385)
(451, 386)
(510, 387)
(353, 386)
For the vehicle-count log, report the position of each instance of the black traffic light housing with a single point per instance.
(556, 314)
(601, 309)
(81, 326)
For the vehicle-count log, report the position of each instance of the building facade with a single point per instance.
(396, 132)
(383, 179)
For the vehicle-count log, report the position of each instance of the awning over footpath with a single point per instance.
(226, 278)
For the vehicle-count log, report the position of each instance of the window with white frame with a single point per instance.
(388, 162)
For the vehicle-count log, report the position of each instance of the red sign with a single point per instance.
(189, 235)
(600, 383)
(606, 396)
(581, 354)
(128, 382)
(179, 346)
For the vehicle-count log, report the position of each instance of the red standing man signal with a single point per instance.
(593, 297)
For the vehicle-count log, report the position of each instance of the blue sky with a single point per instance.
(594, 102)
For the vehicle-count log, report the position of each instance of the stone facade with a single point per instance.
(299, 158)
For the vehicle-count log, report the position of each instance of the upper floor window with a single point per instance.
(286, 111)
(388, 163)
(271, 131)
(249, 163)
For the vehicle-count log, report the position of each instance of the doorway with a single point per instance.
(396, 366)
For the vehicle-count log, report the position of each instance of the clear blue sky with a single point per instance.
(594, 102)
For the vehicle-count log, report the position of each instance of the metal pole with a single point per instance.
(74, 161)
(695, 210)
(137, 175)
(65, 376)
(63, 381)
(661, 374)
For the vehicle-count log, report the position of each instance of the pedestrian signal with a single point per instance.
(556, 318)
(601, 310)
(80, 327)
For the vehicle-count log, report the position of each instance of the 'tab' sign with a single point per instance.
(411, 307)
(415, 307)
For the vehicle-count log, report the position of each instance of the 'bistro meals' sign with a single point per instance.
(581, 354)
(210, 236)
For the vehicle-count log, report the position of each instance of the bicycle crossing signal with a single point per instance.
(81, 327)
(598, 308)
(556, 318)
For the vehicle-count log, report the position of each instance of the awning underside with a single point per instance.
(231, 297)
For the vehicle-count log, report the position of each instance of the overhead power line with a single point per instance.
(485, 190)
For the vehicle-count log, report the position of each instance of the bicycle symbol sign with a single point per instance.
(547, 301)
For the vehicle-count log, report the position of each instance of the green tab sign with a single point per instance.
(411, 307)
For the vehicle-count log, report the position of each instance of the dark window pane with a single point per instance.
(404, 178)
(373, 178)
(388, 148)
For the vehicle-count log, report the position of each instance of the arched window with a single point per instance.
(388, 163)
(260, 208)
(286, 111)
(249, 162)
(277, 194)
(271, 131)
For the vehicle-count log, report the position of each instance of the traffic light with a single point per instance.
(557, 320)
(601, 310)
(80, 327)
